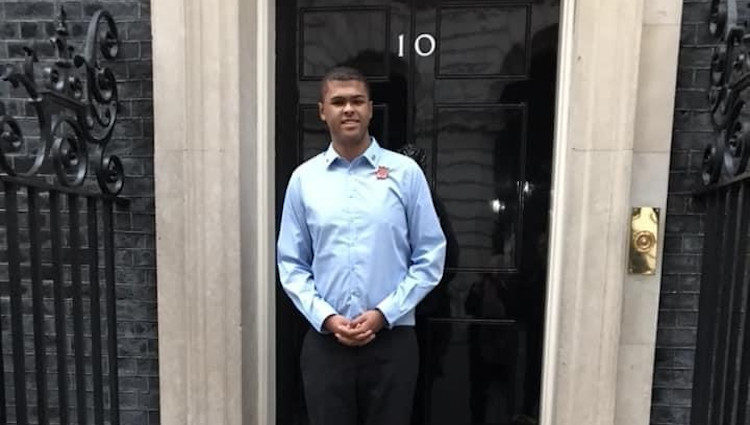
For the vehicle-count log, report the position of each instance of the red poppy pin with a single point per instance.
(382, 173)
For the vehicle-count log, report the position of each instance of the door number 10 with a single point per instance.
(418, 45)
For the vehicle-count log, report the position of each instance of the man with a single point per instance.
(359, 246)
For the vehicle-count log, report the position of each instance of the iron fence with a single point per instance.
(57, 292)
(60, 271)
(722, 357)
(722, 360)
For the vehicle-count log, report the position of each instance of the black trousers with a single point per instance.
(369, 385)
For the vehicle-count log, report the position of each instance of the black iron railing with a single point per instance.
(60, 256)
(58, 304)
(722, 358)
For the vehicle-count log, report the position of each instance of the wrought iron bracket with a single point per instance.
(76, 105)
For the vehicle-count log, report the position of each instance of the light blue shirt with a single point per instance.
(353, 239)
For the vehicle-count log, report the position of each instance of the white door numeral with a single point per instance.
(418, 45)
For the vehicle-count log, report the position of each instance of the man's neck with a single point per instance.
(351, 150)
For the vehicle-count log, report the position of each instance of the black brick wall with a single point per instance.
(25, 23)
(680, 288)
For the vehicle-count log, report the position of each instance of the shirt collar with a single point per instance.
(371, 154)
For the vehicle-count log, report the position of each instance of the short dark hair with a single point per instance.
(343, 73)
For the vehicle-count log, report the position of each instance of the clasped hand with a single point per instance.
(357, 332)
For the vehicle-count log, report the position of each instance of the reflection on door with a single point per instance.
(467, 89)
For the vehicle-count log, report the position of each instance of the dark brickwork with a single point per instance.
(25, 23)
(680, 288)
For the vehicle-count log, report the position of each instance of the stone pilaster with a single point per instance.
(598, 77)
(214, 209)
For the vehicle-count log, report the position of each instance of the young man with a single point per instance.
(359, 246)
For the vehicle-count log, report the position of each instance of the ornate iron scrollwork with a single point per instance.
(76, 105)
(416, 153)
(728, 95)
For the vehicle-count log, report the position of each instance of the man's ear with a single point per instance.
(320, 111)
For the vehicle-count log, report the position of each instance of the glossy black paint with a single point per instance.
(481, 108)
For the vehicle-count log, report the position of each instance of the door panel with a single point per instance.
(334, 35)
(476, 170)
(470, 85)
(487, 40)
(487, 358)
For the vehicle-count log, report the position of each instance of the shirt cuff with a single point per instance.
(319, 315)
(390, 312)
(387, 323)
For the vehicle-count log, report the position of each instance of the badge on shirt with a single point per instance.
(382, 173)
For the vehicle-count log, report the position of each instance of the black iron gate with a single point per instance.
(722, 362)
(54, 241)
(58, 351)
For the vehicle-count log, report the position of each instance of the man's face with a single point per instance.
(346, 109)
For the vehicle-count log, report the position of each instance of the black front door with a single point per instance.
(468, 87)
